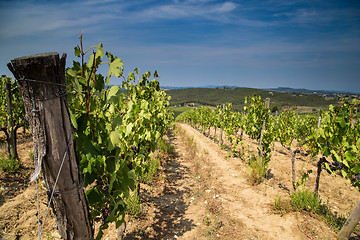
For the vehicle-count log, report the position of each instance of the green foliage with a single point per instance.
(286, 127)
(149, 171)
(9, 165)
(303, 178)
(214, 97)
(282, 206)
(133, 204)
(231, 122)
(305, 200)
(234, 123)
(256, 113)
(339, 137)
(9, 123)
(259, 124)
(117, 129)
(17, 103)
(31, 155)
(305, 128)
(213, 225)
(165, 149)
(178, 110)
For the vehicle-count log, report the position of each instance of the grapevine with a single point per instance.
(9, 124)
(117, 128)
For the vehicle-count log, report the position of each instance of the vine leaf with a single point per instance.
(114, 139)
(115, 68)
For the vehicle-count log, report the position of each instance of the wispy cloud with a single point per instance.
(32, 18)
(316, 16)
(187, 9)
(203, 34)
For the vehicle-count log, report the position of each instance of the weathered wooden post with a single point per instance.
(350, 224)
(42, 84)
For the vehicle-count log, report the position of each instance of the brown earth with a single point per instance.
(200, 193)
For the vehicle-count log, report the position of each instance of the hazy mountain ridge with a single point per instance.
(332, 93)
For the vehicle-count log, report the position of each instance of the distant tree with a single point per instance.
(274, 109)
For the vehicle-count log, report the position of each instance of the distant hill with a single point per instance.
(307, 91)
(333, 93)
(236, 96)
(208, 86)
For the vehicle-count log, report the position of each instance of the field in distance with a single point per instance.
(303, 103)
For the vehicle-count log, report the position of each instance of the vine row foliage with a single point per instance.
(12, 112)
(117, 129)
(336, 138)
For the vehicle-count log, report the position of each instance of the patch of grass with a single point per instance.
(310, 202)
(178, 110)
(256, 170)
(11, 165)
(165, 148)
(304, 200)
(282, 206)
(133, 206)
(31, 155)
(150, 171)
(191, 147)
(207, 220)
(214, 224)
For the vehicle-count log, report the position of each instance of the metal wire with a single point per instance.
(40, 81)
(52, 192)
(37, 199)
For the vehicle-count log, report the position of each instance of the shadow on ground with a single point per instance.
(169, 205)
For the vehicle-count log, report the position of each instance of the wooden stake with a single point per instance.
(350, 224)
(42, 85)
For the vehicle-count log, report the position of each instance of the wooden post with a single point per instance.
(319, 168)
(293, 172)
(350, 224)
(42, 85)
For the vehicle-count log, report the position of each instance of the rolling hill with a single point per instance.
(236, 96)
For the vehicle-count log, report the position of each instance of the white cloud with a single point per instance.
(180, 10)
(32, 19)
(225, 7)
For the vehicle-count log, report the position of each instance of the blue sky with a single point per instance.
(312, 44)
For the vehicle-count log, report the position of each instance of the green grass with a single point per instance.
(256, 170)
(9, 165)
(178, 110)
(151, 170)
(306, 201)
(133, 205)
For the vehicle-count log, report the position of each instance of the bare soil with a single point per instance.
(199, 193)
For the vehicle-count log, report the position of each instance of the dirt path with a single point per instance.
(243, 202)
(250, 206)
